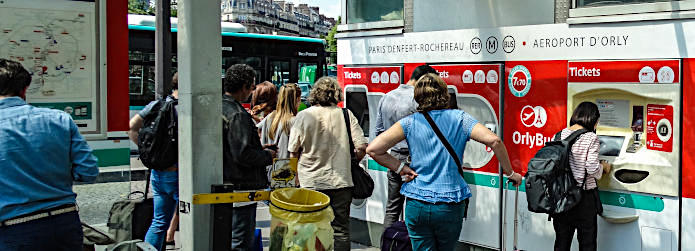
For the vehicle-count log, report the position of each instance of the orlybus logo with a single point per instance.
(519, 81)
(533, 116)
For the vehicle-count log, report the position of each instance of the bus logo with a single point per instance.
(533, 116)
(519, 81)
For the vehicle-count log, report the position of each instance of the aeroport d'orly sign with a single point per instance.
(537, 42)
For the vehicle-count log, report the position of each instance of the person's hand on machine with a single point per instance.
(606, 166)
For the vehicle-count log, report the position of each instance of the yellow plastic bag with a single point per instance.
(301, 220)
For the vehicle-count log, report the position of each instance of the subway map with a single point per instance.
(56, 47)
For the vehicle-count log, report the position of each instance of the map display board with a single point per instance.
(56, 42)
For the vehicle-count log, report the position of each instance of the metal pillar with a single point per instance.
(200, 120)
(162, 48)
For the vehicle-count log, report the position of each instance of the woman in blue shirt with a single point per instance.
(434, 188)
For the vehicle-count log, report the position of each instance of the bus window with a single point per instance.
(477, 154)
(307, 72)
(141, 83)
(356, 101)
(280, 72)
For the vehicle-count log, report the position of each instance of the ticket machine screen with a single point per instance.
(610, 145)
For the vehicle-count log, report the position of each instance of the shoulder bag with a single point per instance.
(363, 183)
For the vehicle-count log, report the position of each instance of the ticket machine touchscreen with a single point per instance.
(610, 146)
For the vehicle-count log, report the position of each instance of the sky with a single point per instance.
(330, 8)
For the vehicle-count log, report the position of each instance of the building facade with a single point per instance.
(277, 17)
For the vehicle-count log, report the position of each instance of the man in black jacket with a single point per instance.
(244, 162)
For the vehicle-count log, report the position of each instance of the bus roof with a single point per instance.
(244, 35)
(146, 23)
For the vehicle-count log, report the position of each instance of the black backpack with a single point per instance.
(550, 184)
(396, 238)
(158, 137)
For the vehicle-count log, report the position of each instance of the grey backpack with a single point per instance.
(550, 184)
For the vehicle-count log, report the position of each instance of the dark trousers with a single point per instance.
(234, 227)
(340, 202)
(582, 218)
(61, 232)
(394, 204)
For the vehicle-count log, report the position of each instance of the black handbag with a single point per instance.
(363, 183)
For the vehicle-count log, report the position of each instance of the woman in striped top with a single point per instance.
(585, 166)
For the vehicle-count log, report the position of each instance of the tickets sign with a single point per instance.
(377, 79)
(659, 127)
(640, 71)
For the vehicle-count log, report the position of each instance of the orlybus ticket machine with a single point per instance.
(639, 130)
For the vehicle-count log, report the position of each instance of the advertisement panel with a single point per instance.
(535, 107)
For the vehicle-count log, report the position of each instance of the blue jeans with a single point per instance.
(433, 227)
(234, 227)
(60, 232)
(165, 187)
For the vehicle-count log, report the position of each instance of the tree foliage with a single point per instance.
(331, 42)
(143, 8)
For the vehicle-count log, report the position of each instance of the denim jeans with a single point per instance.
(165, 187)
(234, 227)
(60, 232)
(433, 227)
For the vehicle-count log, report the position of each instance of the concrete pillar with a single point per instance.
(200, 120)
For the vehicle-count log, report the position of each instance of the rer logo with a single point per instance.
(533, 116)
(519, 81)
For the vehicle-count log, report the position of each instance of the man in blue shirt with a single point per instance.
(42, 154)
(394, 106)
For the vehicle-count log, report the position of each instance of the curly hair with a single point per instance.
(238, 76)
(326, 92)
(13, 78)
(431, 93)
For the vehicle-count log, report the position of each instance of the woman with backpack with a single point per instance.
(586, 169)
(433, 184)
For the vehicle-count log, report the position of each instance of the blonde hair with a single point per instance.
(431, 93)
(285, 110)
(326, 92)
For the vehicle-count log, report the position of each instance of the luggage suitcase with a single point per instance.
(516, 218)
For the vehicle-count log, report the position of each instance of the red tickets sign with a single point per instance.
(376, 79)
(659, 71)
(660, 127)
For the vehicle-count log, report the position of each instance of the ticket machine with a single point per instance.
(638, 128)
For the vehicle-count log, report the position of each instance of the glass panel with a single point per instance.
(281, 72)
(357, 103)
(594, 3)
(307, 72)
(361, 11)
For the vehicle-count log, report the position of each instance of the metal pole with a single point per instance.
(200, 120)
(162, 48)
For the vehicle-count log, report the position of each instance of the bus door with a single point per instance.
(475, 88)
(363, 88)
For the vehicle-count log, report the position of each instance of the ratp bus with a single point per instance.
(523, 82)
(278, 59)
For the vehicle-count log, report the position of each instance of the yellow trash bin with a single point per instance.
(301, 220)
